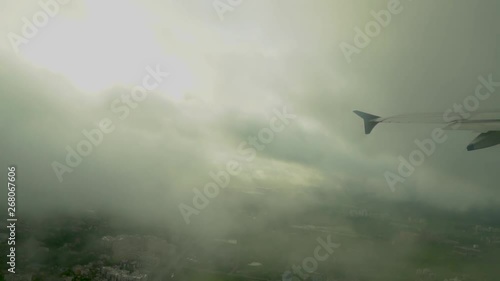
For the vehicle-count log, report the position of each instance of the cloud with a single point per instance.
(235, 72)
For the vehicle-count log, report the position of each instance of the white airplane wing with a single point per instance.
(486, 123)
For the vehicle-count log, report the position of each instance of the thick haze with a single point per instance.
(226, 79)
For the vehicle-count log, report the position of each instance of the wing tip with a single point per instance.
(370, 120)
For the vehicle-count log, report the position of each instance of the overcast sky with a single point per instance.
(227, 77)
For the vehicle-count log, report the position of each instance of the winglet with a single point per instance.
(370, 120)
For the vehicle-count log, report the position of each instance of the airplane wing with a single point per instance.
(486, 123)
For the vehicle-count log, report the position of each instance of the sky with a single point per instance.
(229, 72)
